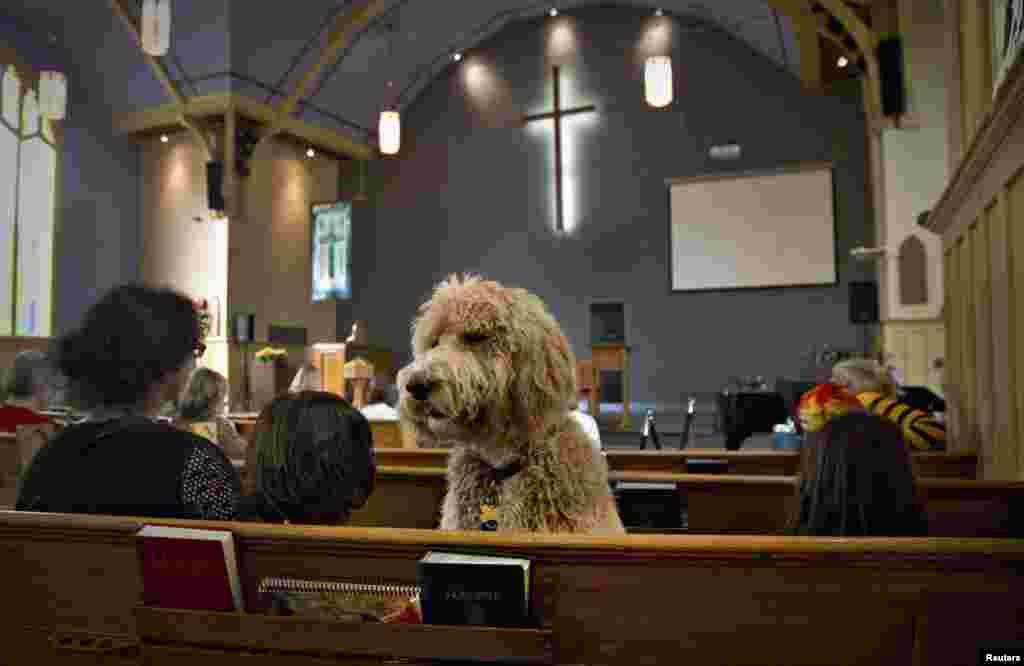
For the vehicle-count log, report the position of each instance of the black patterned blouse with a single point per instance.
(131, 466)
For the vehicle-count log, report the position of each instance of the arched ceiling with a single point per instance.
(411, 41)
(262, 49)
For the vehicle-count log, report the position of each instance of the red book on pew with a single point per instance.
(189, 568)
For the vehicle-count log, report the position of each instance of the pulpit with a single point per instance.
(611, 376)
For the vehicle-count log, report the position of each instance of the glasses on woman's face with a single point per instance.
(199, 350)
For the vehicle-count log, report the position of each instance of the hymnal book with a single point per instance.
(189, 568)
(474, 589)
(340, 601)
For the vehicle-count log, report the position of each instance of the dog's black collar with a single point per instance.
(504, 472)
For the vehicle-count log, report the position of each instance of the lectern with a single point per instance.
(611, 362)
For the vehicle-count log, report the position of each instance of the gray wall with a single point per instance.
(469, 193)
(97, 245)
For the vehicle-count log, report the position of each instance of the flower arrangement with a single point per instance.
(205, 320)
(270, 354)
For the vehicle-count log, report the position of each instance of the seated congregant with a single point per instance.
(585, 420)
(28, 392)
(877, 392)
(310, 461)
(857, 480)
(381, 405)
(202, 412)
(134, 351)
(307, 378)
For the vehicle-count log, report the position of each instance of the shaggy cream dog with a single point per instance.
(493, 376)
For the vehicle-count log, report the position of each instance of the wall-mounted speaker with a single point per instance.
(863, 303)
(215, 186)
(244, 327)
(890, 66)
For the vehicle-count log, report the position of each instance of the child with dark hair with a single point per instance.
(134, 351)
(857, 480)
(310, 461)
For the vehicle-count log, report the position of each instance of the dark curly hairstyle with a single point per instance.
(857, 480)
(127, 343)
(313, 457)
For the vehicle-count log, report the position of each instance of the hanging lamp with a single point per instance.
(53, 94)
(658, 81)
(156, 27)
(389, 129)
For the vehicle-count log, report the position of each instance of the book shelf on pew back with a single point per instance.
(599, 600)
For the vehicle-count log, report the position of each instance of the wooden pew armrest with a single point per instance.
(241, 632)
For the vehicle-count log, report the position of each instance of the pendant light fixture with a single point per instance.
(53, 94)
(389, 129)
(658, 80)
(156, 27)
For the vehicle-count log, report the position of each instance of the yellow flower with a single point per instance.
(271, 353)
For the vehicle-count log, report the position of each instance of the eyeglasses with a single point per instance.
(199, 350)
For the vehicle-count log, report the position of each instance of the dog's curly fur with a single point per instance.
(500, 378)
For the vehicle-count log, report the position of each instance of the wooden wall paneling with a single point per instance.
(976, 69)
(953, 373)
(1015, 241)
(968, 432)
(1003, 384)
(983, 341)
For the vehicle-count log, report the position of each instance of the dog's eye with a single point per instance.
(473, 339)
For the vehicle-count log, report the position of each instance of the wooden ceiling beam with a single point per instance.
(337, 39)
(867, 44)
(161, 73)
(805, 25)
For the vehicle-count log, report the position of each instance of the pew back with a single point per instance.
(626, 600)
(409, 497)
(771, 463)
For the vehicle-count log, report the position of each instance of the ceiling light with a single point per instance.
(553, 12)
(842, 62)
(53, 94)
(156, 27)
(163, 138)
(658, 81)
(310, 152)
(389, 132)
(659, 12)
(456, 56)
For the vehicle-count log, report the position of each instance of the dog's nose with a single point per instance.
(420, 390)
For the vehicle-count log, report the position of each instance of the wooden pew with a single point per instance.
(728, 504)
(634, 600)
(723, 503)
(771, 463)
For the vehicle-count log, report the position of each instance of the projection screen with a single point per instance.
(758, 229)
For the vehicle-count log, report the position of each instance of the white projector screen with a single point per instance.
(753, 230)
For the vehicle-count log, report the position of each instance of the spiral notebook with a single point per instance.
(340, 601)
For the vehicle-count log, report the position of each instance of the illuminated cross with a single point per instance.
(556, 114)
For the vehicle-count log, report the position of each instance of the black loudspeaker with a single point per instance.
(245, 326)
(890, 66)
(215, 186)
(863, 303)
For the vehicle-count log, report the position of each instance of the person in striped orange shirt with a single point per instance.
(867, 380)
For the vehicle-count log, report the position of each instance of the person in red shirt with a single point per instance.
(28, 392)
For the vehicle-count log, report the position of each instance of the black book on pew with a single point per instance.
(474, 589)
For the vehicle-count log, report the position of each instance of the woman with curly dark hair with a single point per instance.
(857, 480)
(310, 461)
(134, 351)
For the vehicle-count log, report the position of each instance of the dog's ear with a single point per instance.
(546, 383)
